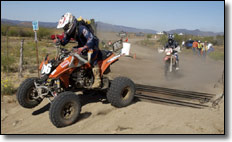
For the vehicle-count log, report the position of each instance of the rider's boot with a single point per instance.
(97, 78)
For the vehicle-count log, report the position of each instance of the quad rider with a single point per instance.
(173, 44)
(87, 41)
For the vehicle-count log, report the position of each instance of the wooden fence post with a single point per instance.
(21, 59)
(7, 67)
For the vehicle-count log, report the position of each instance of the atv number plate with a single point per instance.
(46, 69)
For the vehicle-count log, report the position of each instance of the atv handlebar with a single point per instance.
(161, 50)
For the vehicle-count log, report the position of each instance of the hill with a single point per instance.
(105, 27)
(196, 32)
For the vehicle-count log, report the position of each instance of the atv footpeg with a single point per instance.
(105, 83)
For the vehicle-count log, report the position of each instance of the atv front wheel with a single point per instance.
(65, 109)
(121, 92)
(26, 93)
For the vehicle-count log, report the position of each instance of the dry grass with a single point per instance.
(30, 62)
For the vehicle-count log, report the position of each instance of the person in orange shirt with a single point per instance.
(194, 47)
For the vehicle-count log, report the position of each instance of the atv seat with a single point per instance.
(104, 54)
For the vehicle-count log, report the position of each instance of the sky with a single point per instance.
(155, 15)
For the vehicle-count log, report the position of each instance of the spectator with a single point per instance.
(199, 47)
(183, 43)
(204, 49)
(210, 48)
(194, 47)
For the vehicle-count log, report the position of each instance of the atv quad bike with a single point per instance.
(70, 72)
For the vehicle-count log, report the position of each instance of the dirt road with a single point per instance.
(99, 117)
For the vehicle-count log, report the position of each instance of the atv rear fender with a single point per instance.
(108, 61)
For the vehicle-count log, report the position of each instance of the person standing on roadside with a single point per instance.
(194, 47)
(204, 49)
(199, 47)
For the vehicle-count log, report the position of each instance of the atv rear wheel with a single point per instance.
(65, 109)
(121, 92)
(26, 93)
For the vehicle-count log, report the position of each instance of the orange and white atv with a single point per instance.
(69, 73)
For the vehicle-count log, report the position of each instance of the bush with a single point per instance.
(220, 40)
(163, 39)
(24, 33)
(7, 62)
(16, 31)
(13, 32)
(149, 36)
(43, 33)
(6, 87)
(4, 29)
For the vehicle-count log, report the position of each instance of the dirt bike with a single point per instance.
(70, 72)
(170, 61)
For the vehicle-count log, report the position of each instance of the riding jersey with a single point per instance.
(173, 45)
(83, 36)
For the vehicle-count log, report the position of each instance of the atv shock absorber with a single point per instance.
(57, 82)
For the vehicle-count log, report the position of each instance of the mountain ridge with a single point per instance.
(105, 27)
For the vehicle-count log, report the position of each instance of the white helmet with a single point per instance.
(67, 22)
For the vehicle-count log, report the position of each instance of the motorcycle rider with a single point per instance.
(87, 42)
(173, 44)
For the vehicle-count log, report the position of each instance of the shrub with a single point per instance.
(220, 40)
(24, 33)
(7, 62)
(4, 29)
(6, 87)
(163, 39)
(13, 32)
(149, 36)
(43, 33)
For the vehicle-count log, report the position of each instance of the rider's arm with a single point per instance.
(65, 40)
(166, 46)
(88, 35)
